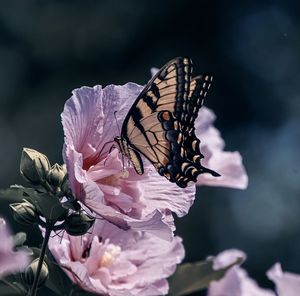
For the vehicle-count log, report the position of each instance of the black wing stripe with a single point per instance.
(160, 124)
(169, 78)
(136, 118)
(197, 97)
(161, 151)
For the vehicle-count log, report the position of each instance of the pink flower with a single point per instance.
(228, 164)
(111, 261)
(236, 281)
(287, 283)
(10, 261)
(124, 198)
(228, 257)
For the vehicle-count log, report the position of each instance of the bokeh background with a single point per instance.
(48, 48)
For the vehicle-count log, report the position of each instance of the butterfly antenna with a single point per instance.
(115, 116)
(112, 140)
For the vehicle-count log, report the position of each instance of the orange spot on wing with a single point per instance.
(166, 116)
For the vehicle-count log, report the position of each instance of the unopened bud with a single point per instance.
(56, 175)
(78, 224)
(34, 166)
(24, 212)
(31, 271)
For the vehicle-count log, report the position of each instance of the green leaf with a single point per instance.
(47, 205)
(192, 277)
(11, 286)
(79, 292)
(14, 194)
(19, 239)
(50, 207)
(58, 281)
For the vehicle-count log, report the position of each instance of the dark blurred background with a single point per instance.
(48, 48)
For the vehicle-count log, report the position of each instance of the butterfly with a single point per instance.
(160, 124)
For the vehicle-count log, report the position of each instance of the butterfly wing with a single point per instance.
(136, 160)
(160, 124)
(188, 114)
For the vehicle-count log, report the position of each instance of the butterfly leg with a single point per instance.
(109, 151)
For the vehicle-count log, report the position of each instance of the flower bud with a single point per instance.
(78, 224)
(56, 175)
(31, 270)
(34, 166)
(24, 212)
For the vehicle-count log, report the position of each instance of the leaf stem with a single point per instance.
(41, 260)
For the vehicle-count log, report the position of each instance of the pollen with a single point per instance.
(109, 255)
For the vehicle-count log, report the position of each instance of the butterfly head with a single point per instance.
(131, 154)
(123, 146)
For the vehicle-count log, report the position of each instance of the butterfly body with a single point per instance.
(131, 154)
(160, 124)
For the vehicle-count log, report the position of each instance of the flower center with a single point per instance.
(109, 255)
(114, 180)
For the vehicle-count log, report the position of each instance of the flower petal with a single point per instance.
(227, 258)
(151, 223)
(10, 261)
(166, 195)
(88, 117)
(236, 282)
(83, 118)
(287, 283)
(227, 164)
(117, 262)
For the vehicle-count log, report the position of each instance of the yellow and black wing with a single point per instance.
(160, 124)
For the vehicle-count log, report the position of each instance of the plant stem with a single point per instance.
(40, 264)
